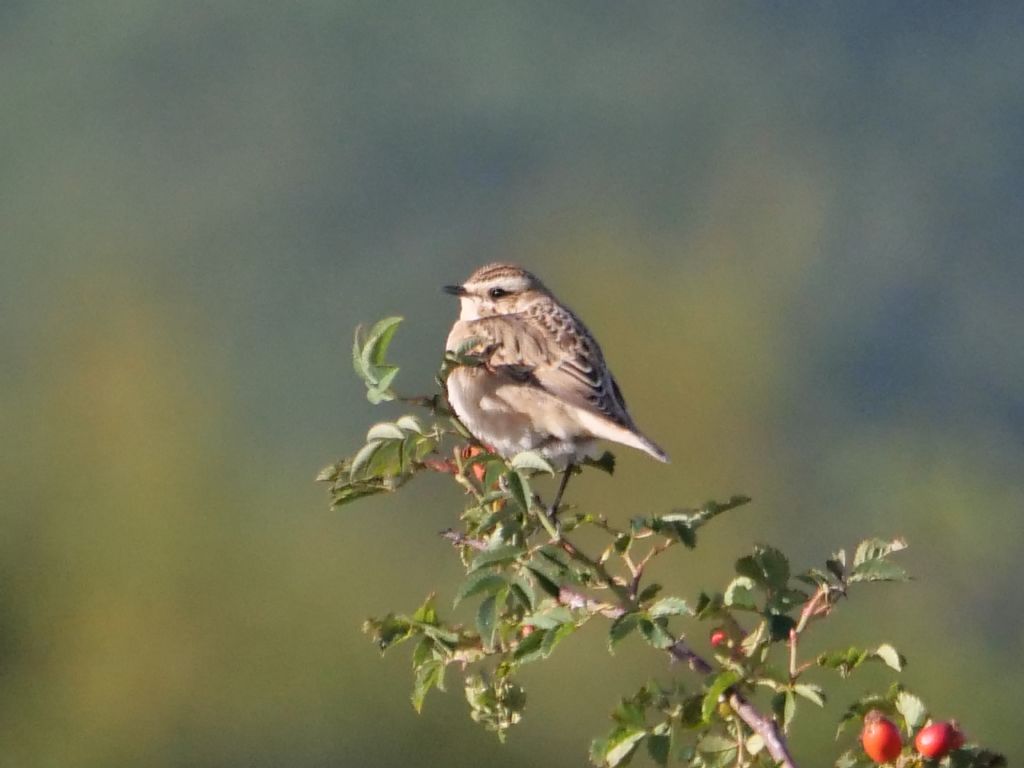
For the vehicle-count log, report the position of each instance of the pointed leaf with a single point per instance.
(876, 549)
(741, 594)
(410, 424)
(669, 606)
(378, 339)
(878, 570)
(718, 687)
(528, 461)
(912, 709)
(811, 693)
(481, 582)
(519, 488)
(498, 555)
(385, 431)
(891, 657)
(622, 627)
(487, 619)
(363, 456)
(656, 634)
(623, 747)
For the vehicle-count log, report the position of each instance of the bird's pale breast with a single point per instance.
(512, 417)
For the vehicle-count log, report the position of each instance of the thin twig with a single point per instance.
(577, 600)
(460, 539)
(740, 756)
(612, 583)
(765, 727)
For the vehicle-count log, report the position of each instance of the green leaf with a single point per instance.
(328, 474)
(388, 631)
(891, 657)
(658, 747)
(837, 564)
(519, 488)
(878, 570)
(487, 619)
(623, 747)
(784, 707)
(531, 461)
(410, 424)
(912, 709)
(386, 461)
(690, 715)
(380, 392)
(422, 653)
(810, 692)
(779, 626)
(363, 456)
(877, 549)
(621, 628)
(649, 592)
(766, 566)
(717, 751)
(545, 582)
(554, 636)
(718, 687)
(669, 606)
(428, 675)
(499, 555)
(530, 648)
(378, 339)
(655, 633)
(844, 661)
(741, 594)
(523, 591)
(550, 618)
(385, 431)
(632, 711)
(482, 582)
(357, 356)
(427, 612)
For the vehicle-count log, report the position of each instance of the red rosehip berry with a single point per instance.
(718, 637)
(526, 630)
(937, 740)
(880, 737)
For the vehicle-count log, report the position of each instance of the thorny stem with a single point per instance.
(613, 584)
(765, 727)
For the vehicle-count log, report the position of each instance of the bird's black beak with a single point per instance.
(455, 290)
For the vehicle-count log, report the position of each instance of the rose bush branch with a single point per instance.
(531, 588)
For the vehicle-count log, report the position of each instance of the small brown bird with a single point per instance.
(545, 386)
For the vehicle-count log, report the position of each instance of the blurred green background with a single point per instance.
(796, 230)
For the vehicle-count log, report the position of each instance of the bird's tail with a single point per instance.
(651, 448)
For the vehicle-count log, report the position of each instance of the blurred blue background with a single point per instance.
(797, 231)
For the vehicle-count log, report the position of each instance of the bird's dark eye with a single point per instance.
(497, 293)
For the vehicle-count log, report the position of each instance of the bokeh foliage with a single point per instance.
(813, 214)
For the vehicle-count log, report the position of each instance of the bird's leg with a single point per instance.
(553, 509)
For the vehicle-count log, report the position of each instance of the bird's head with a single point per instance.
(497, 289)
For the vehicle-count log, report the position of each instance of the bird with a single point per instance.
(542, 383)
